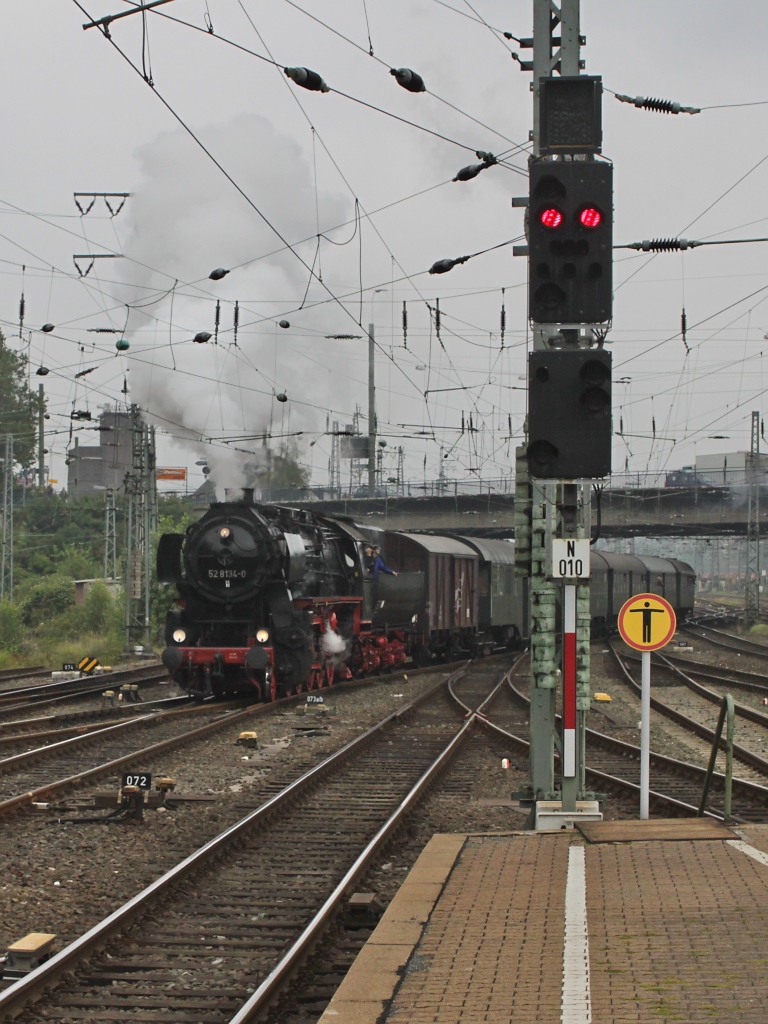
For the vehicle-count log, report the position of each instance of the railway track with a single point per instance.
(23, 673)
(30, 732)
(191, 948)
(614, 766)
(41, 694)
(729, 641)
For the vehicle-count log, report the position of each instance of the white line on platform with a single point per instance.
(751, 851)
(576, 1005)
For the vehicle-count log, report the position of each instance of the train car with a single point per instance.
(685, 594)
(273, 600)
(448, 616)
(502, 596)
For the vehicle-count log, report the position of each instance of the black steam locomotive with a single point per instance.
(275, 600)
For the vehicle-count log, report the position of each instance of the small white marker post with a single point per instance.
(645, 732)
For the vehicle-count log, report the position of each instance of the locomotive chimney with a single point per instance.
(248, 495)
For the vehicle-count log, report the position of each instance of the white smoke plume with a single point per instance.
(332, 643)
(187, 219)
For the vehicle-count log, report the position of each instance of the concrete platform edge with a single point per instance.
(367, 992)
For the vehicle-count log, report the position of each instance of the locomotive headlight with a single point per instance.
(262, 636)
(225, 533)
(179, 636)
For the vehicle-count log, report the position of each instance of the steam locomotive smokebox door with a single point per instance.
(396, 599)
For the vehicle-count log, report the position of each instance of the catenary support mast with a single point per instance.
(556, 509)
(752, 579)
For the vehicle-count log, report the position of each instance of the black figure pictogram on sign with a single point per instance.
(646, 611)
(637, 625)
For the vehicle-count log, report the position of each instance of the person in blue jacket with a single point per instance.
(379, 564)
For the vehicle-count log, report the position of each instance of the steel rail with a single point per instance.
(19, 995)
(735, 676)
(23, 673)
(82, 729)
(283, 971)
(743, 754)
(142, 673)
(757, 649)
(746, 712)
(631, 752)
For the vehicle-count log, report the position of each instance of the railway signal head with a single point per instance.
(569, 414)
(570, 242)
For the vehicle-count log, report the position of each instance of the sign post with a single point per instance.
(569, 562)
(647, 622)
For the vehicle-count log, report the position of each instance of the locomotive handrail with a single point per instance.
(16, 997)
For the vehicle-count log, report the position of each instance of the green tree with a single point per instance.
(19, 405)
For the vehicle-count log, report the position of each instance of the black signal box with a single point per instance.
(570, 242)
(570, 114)
(569, 414)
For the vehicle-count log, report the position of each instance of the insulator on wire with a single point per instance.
(621, 424)
(216, 322)
(462, 423)
(443, 266)
(503, 318)
(202, 337)
(218, 274)
(659, 106)
(662, 244)
(653, 425)
(438, 320)
(405, 326)
(307, 79)
(472, 170)
(408, 79)
(47, 328)
(235, 323)
(469, 172)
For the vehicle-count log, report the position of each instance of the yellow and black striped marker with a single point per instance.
(88, 664)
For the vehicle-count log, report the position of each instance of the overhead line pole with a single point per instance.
(371, 412)
(549, 508)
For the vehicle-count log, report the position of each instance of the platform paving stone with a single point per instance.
(677, 932)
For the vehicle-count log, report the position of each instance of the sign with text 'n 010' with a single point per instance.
(569, 559)
(647, 622)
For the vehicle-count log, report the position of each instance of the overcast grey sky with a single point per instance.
(76, 117)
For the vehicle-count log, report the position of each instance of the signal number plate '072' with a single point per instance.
(141, 779)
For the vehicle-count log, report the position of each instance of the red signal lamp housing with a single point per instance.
(551, 217)
(590, 217)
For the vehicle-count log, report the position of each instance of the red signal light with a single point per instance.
(590, 217)
(551, 217)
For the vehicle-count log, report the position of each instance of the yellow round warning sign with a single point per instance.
(647, 622)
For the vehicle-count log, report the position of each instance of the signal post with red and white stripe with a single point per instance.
(569, 761)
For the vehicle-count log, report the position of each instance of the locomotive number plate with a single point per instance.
(141, 779)
(226, 574)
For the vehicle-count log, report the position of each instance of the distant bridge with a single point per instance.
(627, 512)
